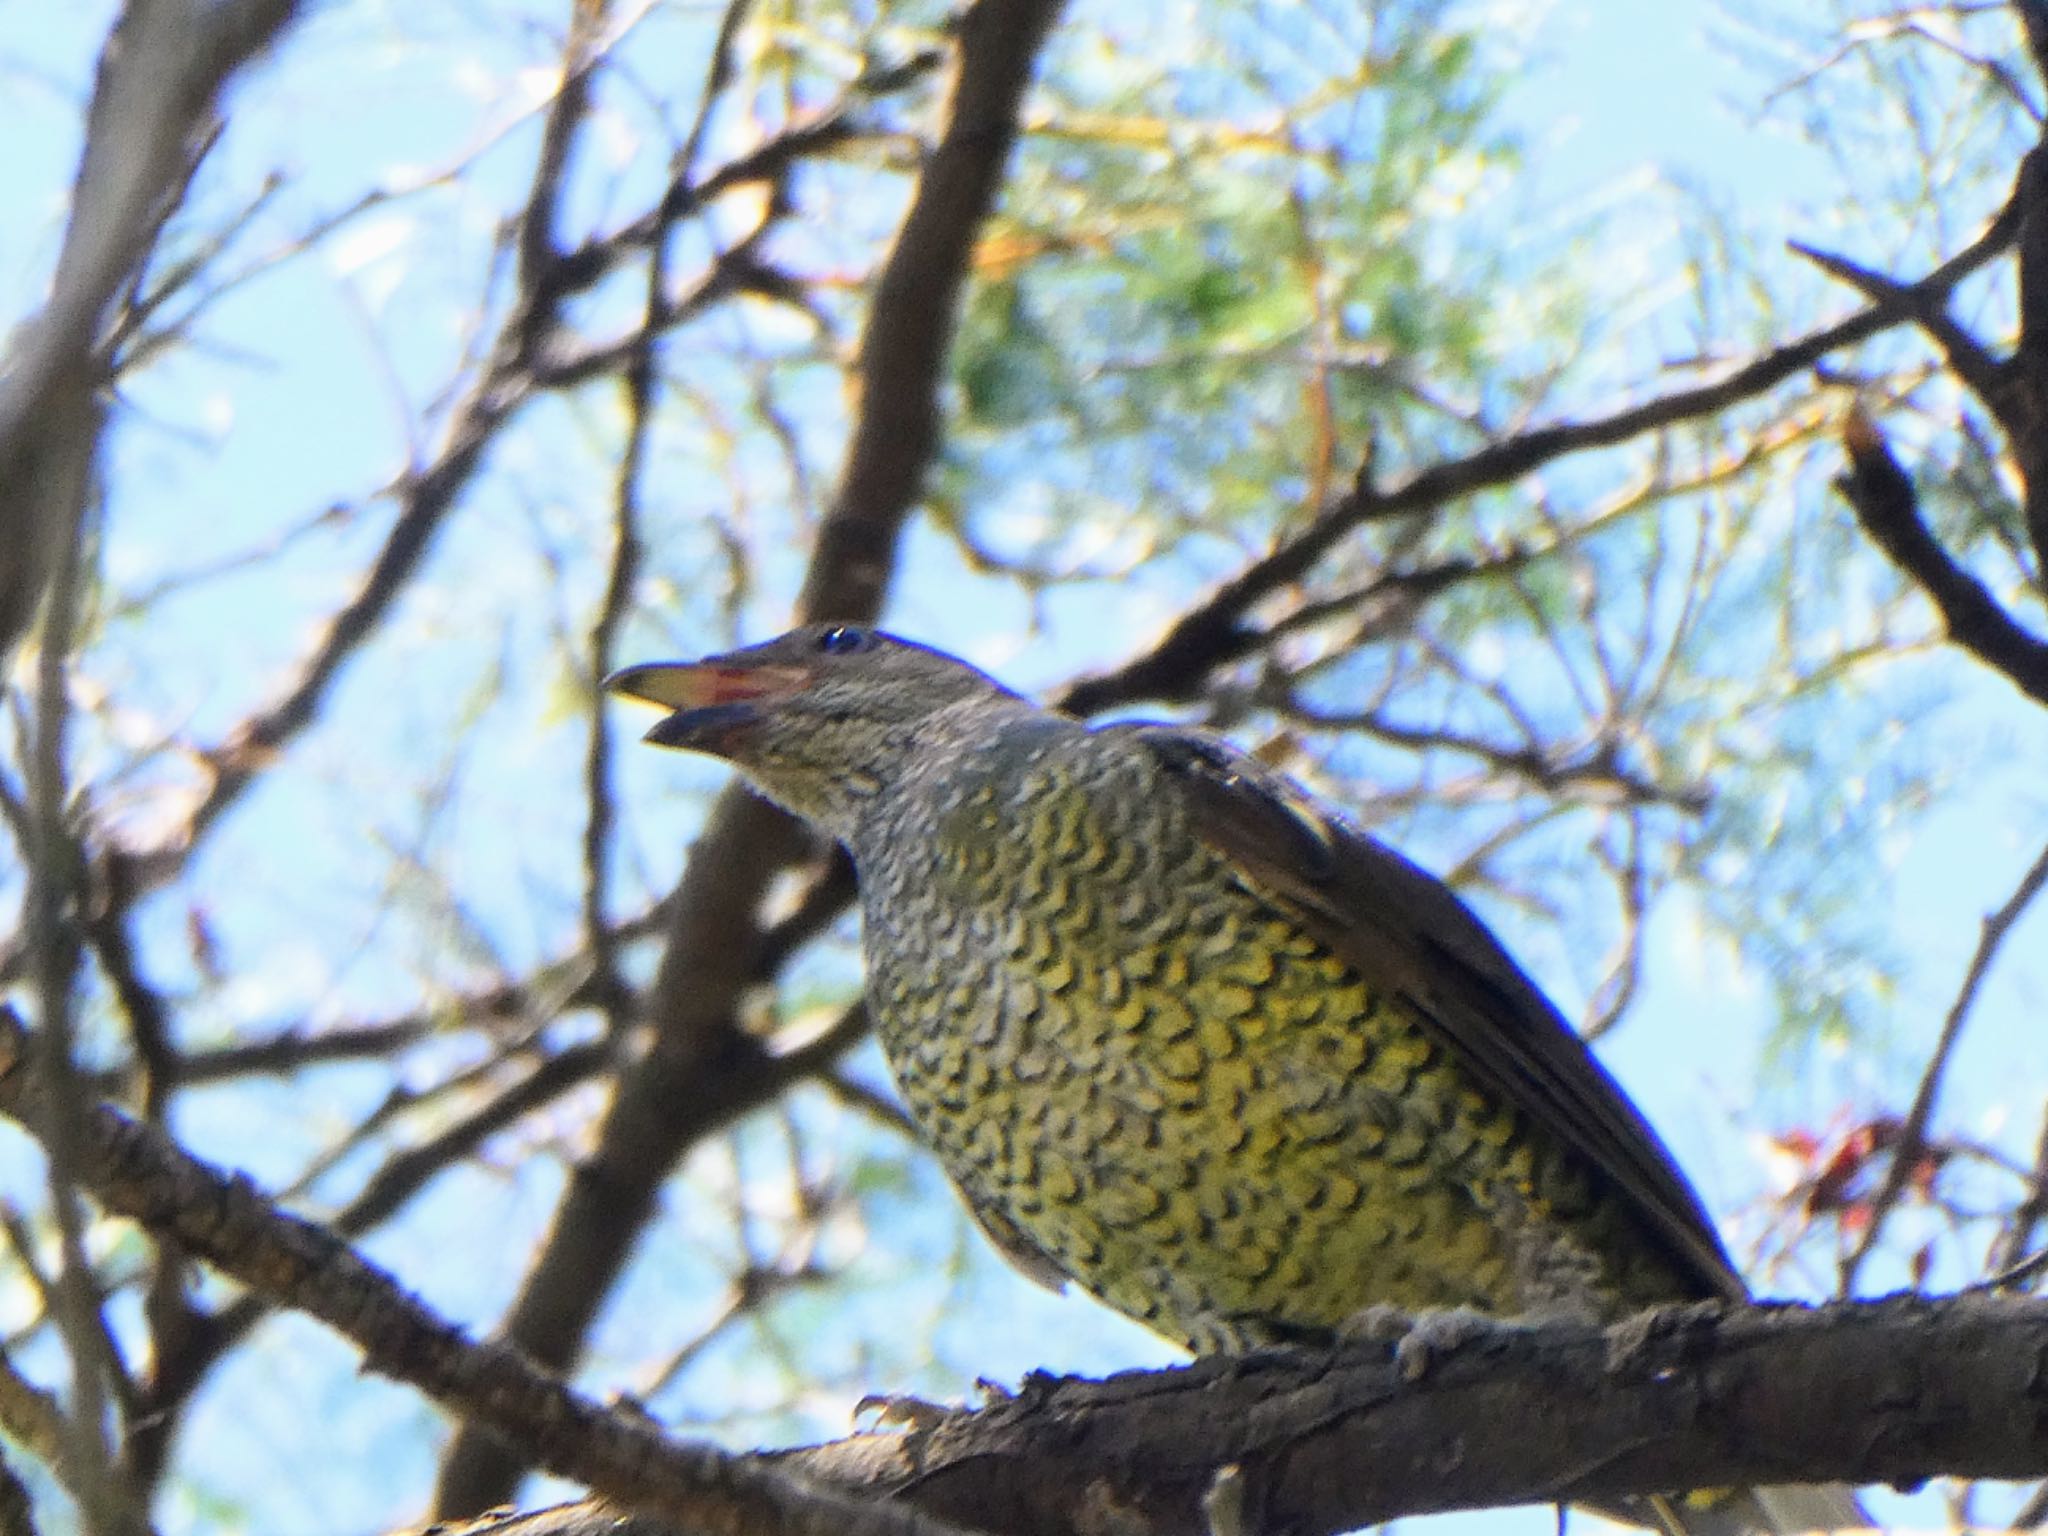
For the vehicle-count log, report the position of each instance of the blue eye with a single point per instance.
(841, 639)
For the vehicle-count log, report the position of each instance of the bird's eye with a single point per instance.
(842, 638)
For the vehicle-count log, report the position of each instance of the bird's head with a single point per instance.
(820, 719)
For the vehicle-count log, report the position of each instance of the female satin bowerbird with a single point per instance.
(1182, 1036)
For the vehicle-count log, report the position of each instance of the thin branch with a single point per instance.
(567, 113)
(1968, 358)
(601, 807)
(143, 1006)
(184, 1359)
(718, 76)
(2031, 1214)
(1912, 1141)
(1884, 501)
(31, 1417)
(1215, 633)
(17, 1512)
(425, 500)
(532, 353)
(56, 879)
(1594, 769)
(151, 118)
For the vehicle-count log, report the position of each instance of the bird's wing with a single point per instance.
(1406, 934)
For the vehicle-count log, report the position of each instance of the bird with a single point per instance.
(1183, 1036)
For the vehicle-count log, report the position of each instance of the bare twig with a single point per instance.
(567, 113)
(639, 380)
(1884, 502)
(185, 1355)
(2031, 1214)
(1912, 1140)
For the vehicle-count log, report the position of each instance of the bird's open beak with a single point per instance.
(709, 699)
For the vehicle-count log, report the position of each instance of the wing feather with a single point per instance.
(1407, 934)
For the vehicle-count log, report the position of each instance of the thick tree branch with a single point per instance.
(1893, 1391)
(1882, 496)
(1315, 1441)
(916, 308)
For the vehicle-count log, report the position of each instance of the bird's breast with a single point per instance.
(1179, 1095)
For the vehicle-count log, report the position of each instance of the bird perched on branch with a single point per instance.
(1183, 1037)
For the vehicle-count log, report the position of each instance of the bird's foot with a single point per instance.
(1419, 1338)
(1629, 1341)
(1379, 1323)
(903, 1410)
(907, 1411)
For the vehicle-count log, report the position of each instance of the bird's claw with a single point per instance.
(902, 1410)
(1419, 1338)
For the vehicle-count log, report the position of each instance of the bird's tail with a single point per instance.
(1782, 1511)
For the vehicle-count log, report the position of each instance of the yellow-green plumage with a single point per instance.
(1182, 1099)
(1187, 1040)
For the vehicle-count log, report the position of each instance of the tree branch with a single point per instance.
(139, 1173)
(163, 65)
(1308, 1441)
(1884, 501)
(1214, 633)
(1317, 1441)
(1689, 1397)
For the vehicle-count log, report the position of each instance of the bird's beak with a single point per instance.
(709, 699)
